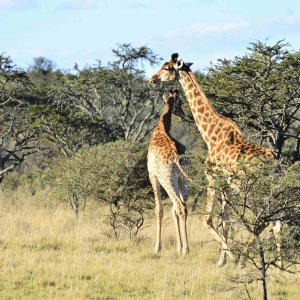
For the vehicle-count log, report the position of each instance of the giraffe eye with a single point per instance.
(168, 68)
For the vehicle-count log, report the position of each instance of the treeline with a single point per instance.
(100, 104)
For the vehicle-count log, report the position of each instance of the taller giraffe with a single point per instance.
(165, 170)
(226, 145)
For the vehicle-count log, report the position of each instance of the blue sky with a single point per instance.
(84, 31)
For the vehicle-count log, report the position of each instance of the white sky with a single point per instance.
(84, 31)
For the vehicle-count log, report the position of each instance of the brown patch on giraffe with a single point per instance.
(190, 86)
(226, 150)
(211, 128)
(195, 103)
(220, 135)
(212, 145)
(200, 109)
(227, 142)
(196, 93)
(217, 130)
(213, 138)
(204, 127)
(231, 152)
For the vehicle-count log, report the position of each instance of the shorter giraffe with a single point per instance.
(165, 170)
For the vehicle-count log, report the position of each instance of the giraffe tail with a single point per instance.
(182, 171)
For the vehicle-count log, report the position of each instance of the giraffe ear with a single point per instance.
(179, 64)
(188, 64)
(165, 98)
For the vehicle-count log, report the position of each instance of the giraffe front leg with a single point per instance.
(242, 261)
(207, 220)
(158, 211)
(226, 227)
(159, 216)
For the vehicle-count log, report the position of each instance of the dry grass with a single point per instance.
(46, 254)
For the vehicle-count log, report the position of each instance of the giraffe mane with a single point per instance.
(230, 122)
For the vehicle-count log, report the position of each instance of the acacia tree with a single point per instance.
(41, 74)
(118, 92)
(70, 130)
(17, 140)
(261, 90)
(136, 104)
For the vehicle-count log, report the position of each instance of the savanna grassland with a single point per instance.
(47, 254)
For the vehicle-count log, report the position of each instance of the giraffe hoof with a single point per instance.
(157, 249)
(242, 264)
(221, 262)
(280, 264)
(185, 251)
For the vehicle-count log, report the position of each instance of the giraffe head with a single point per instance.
(170, 69)
(174, 102)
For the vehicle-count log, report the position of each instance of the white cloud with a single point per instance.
(201, 29)
(292, 19)
(17, 4)
(78, 4)
(204, 29)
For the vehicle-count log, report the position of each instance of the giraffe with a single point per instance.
(164, 168)
(226, 147)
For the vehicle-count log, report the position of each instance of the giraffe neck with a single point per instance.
(165, 120)
(213, 127)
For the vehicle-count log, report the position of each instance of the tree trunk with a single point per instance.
(262, 269)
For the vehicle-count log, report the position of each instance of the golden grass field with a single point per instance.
(46, 254)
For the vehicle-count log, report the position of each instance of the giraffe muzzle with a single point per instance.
(153, 80)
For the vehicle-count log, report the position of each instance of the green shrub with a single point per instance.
(114, 174)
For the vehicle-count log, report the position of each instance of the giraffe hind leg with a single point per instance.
(171, 185)
(244, 254)
(183, 184)
(177, 229)
(277, 226)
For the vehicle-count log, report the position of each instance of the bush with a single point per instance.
(259, 195)
(114, 174)
(31, 179)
